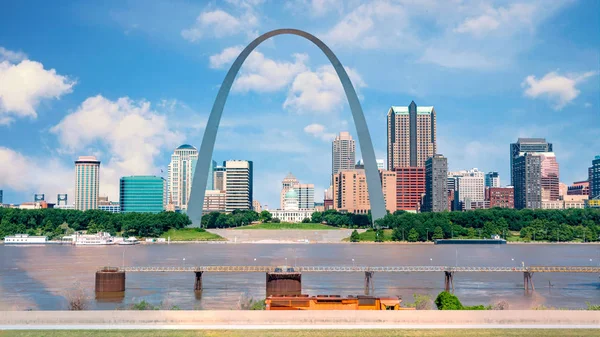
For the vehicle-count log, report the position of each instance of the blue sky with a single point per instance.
(128, 81)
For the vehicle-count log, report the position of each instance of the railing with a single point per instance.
(398, 269)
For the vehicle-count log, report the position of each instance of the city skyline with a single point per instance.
(42, 135)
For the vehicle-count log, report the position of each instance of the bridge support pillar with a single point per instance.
(110, 283)
(198, 281)
(528, 281)
(280, 283)
(369, 283)
(449, 281)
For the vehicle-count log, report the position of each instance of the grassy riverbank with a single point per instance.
(369, 236)
(191, 234)
(288, 225)
(307, 333)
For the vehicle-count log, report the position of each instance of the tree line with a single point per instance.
(57, 222)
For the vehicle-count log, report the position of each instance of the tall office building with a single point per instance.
(527, 171)
(288, 183)
(238, 185)
(1, 196)
(526, 145)
(549, 176)
(180, 175)
(594, 178)
(306, 196)
(142, 194)
(343, 153)
(87, 182)
(469, 187)
(492, 179)
(210, 184)
(219, 177)
(436, 182)
(411, 135)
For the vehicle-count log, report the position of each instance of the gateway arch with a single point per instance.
(196, 200)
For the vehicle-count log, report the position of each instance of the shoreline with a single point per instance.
(286, 242)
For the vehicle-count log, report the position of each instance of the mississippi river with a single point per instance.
(39, 277)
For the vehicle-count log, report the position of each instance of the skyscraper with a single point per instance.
(1, 196)
(469, 187)
(594, 178)
(410, 187)
(180, 175)
(527, 175)
(549, 176)
(526, 145)
(142, 194)
(411, 135)
(238, 185)
(343, 153)
(87, 182)
(220, 175)
(436, 183)
(350, 191)
(492, 179)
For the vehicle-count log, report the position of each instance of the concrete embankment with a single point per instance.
(283, 235)
(298, 319)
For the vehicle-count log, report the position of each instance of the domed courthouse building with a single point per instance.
(291, 211)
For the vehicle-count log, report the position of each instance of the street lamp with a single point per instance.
(427, 235)
(353, 265)
(184, 262)
(431, 261)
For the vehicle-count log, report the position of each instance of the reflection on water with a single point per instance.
(40, 277)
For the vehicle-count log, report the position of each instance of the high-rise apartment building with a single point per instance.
(238, 184)
(492, 179)
(180, 175)
(526, 145)
(343, 153)
(350, 191)
(388, 185)
(410, 188)
(469, 187)
(527, 171)
(594, 178)
(87, 182)
(436, 183)
(142, 194)
(411, 135)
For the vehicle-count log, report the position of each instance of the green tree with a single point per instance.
(413, 235)
(398, 234)
(447, 301)
(306, 220)
(471, 233)
(276, 220)
(379, 235)
(438, 233)
(265, 216)
(317, 217)
(354, 237)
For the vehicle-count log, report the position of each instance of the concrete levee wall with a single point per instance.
(347, 318)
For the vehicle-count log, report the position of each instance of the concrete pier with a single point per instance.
(110, 280)
(198, 282)
(284, 283)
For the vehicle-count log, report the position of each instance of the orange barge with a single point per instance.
(332, 302)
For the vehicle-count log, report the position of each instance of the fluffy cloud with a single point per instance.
(559, 89)
(225, 57)
(132, 133)
(219, 23)
(24, 85)
(494, 19)
(35, 175)
(318, 131)
(319, 91)
(11, 56)
(263, 74)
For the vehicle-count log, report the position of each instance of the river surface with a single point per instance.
(40, 277)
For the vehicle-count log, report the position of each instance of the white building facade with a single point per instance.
(238, 185)
(470, 186)
(181, 174)
(87, 182)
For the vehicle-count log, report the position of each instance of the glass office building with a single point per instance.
(142, 194)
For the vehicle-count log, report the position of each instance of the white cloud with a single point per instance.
(318, 131)
(263, 74)
(131, 133)
(456, 59)
(319, 91)
(11, 56)
(322, 7)
(557, 88)
(24, 85)
(219, 23)
(225, 57)
(499, 19)
(34, 174)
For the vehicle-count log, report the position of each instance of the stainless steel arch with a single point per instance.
(196, 200)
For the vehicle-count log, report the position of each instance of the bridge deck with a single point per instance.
(398, 269)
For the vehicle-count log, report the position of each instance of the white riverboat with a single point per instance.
(130, 241)
(25, 239)
(98, 239)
